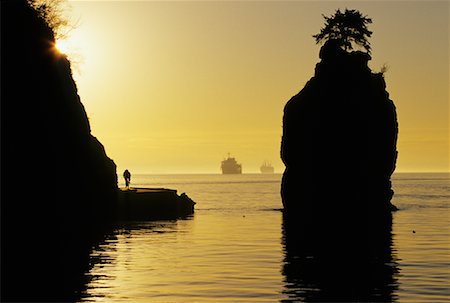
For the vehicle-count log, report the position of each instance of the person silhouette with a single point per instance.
(127, 177)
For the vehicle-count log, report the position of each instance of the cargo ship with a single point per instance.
(230, 166)
(266, 168)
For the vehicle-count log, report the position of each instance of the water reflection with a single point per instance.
(337, 265)
(113, 261)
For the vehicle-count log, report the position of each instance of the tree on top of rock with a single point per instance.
(346, 28)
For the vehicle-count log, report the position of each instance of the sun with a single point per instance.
(63, 46)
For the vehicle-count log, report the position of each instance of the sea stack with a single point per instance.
(339, 144)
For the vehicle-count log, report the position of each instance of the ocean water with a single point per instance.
(232, 248)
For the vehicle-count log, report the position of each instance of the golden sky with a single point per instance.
(172, 87)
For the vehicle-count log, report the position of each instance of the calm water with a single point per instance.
(232, 250)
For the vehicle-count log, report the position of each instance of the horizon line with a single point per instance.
(275, 173)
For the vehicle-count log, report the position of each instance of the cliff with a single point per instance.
(339, 144)
(58, 187)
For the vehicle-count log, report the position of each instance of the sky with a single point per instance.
(174, 86)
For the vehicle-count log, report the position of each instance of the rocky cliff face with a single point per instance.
(58, 185)
(339, 141)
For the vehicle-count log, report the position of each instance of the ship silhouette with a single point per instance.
(230, 166)
(266, 168)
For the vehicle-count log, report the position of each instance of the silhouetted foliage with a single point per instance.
(347, 28)
(52, 12)
(384, 68)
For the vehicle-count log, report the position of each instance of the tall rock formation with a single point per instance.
(58, 187)
(339, 144)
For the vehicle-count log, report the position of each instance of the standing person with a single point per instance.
(127, 177)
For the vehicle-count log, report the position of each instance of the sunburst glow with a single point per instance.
(63, 46)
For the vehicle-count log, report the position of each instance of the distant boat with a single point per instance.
(266, 168)
(230, 166)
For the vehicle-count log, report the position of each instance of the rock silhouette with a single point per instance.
(339, 147)
(58, 186)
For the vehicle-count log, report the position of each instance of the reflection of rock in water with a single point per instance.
(328, 266)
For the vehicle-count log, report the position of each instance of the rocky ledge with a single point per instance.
(152, 203)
